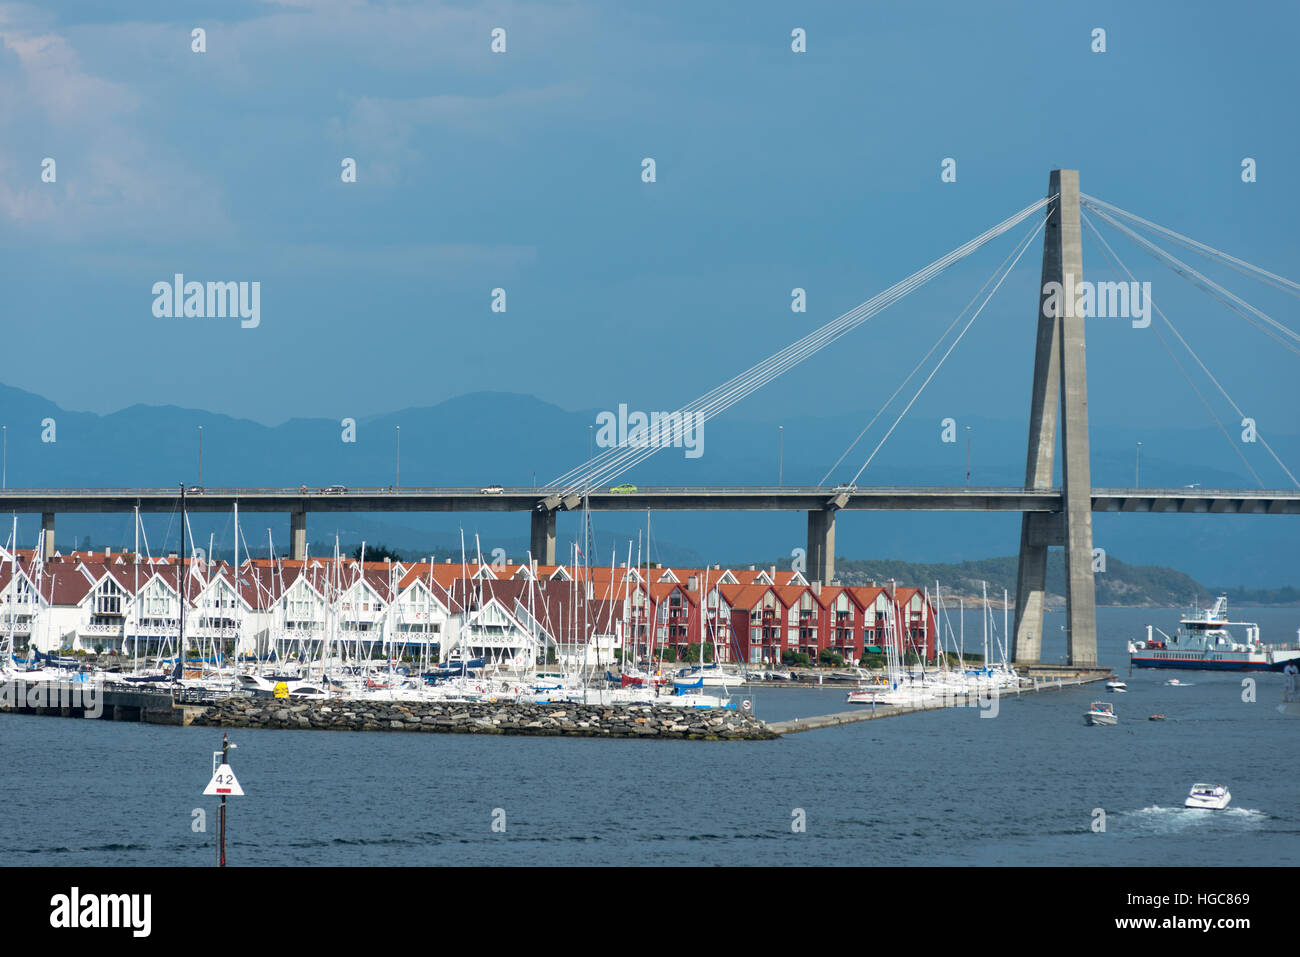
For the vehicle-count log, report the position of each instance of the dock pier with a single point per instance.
(1042, 678)
(92, 700)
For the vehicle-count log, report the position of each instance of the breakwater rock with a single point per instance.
(456, 717)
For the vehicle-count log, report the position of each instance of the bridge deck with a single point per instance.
(751, 498)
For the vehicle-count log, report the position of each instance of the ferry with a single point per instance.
(1203, 642)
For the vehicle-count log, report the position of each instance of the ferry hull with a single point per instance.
(1198, 663)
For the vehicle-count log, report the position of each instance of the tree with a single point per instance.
(376, 553)
(693, 652)
(790, 657)
(829, 656)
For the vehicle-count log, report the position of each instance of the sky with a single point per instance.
(522, 170)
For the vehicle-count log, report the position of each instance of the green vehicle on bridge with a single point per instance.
(623, 490)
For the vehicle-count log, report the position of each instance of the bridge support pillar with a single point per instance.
(542, 537)
(1060, 375)
(47, 534)
(821, 545)
(298, 535)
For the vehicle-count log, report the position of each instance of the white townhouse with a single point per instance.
(422, 619)
(22, 605)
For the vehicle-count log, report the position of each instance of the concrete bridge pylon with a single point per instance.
(1059, 400)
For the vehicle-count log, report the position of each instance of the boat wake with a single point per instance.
(1172, 820)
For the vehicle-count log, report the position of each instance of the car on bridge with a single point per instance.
(334, 490)
(194, 490)
(623, 490)
(492, 490)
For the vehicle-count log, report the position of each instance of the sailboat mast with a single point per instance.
(1006, 605)
(235, 575)
(180, 583)
(984, 617)
(13, 588)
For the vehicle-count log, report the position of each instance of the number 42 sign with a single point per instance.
(224, 784)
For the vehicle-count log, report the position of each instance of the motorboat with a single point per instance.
(1100, 713)
(1156, 717)
(1176, 683)
(1116, 685)
(1214, 797)
(697, 701)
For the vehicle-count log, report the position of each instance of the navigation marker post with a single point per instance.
(225, 784)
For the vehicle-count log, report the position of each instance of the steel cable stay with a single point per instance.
(1173, 358)
(921, 362)
(1207, 285)
(613, 462)
(1024, 245)
(1224, 392)
(727, 394)
(1209, 252)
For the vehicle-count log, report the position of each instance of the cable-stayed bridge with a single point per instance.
(1052, 515)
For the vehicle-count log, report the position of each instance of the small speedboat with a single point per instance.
(1116, 685)
(1176, 683)
(1215, 797)
(1156, 717)
(1101, 713)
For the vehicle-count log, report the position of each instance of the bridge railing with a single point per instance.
(684, 490)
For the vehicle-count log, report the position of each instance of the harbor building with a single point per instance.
(115, 601)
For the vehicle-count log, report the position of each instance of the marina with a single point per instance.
(411, 798)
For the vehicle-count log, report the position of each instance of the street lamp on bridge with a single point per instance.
(968, 456)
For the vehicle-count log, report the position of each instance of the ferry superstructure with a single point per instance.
(1204, 642)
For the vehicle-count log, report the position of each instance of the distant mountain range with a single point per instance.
(510, 439)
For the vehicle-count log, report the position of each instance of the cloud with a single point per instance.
(114, 179)
(155, 142)
(389, 128)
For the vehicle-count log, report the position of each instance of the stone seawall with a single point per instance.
(577, 720)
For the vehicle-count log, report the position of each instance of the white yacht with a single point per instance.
(1101, 713)
(1215, 797)
(1116, 685)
